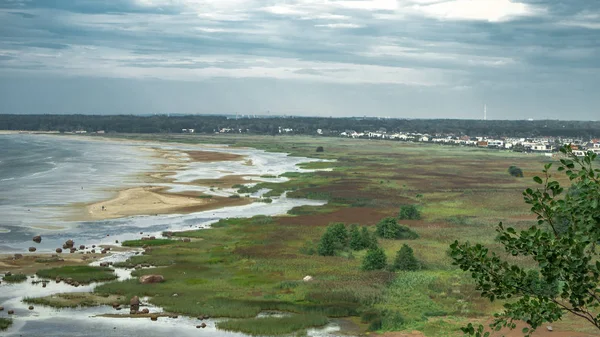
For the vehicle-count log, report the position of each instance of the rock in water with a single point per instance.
(148, 279)
(154, 318)
(32, 249)
(145, 311)
(31, 307)
(134, 303)
(37, 239)
(59, 250)
(69, 243)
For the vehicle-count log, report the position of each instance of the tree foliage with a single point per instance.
(515, 172)
(327, 244)
(389, 228)
(567, 273)
(406, 260)
(375, 259)
(409, 212)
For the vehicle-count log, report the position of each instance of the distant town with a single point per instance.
(539, 136)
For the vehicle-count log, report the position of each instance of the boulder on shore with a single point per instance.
(148, 279)
(69, 243)
(37, 239)
(32, 249)
(134, 303)
(59, 250)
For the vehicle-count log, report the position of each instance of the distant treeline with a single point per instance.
(299, 125)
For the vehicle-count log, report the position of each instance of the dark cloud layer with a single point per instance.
(519, 59)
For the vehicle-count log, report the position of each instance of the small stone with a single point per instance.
(81, 247)
(203, 325)
(59, 250)
(44, 285)
(37, 239)
(145, 311)
(8, 273)
(1, 308)
(30, 307)
(11, 312)
(154, 318)
(32, 249)
(549, 327)
(18, 256)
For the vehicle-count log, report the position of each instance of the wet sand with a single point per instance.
(153, 200)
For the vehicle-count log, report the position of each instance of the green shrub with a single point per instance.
(340, 234)
(5, 323)
(406, 260)
(515, 172)
(389, 228)
(327, 244)
(409, 212)
(320, 149)
(375, 259)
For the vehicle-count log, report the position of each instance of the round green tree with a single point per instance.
(406, 260)
(375, 259)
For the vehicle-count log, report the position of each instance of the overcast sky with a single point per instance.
(395, 58)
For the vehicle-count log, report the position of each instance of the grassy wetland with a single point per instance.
(244, 266)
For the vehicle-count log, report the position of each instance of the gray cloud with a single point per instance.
(549, 50)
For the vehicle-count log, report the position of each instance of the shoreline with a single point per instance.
(151, 199)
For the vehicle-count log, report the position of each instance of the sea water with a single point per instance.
(41, 176)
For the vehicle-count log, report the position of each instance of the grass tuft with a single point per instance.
(81, 274)
(274, 326)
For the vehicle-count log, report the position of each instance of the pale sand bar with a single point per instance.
(153, 200)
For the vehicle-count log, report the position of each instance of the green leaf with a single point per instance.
(537, 180)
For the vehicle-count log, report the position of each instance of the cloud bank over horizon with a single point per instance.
(393, 58)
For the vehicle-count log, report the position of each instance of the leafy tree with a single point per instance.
(356, 240)
(375, 259)
(369, 240)
(567, 274)
(409, 212)
(515, 172)
(389, 228)
(340, 234)
(320, 149)
(406, 260)
(327, 244)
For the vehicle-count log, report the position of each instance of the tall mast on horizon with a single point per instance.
(485, 112)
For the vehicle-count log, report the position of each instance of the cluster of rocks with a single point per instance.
(68, 281)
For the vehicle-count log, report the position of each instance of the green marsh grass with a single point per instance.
(81, 274)
(274, 326)
(150, 243)
(5, 323)
(15, 278)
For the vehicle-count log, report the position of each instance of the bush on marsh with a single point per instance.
(389, 228)
(406, 260)
(409, 212)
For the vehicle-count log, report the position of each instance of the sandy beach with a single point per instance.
(153, 200)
